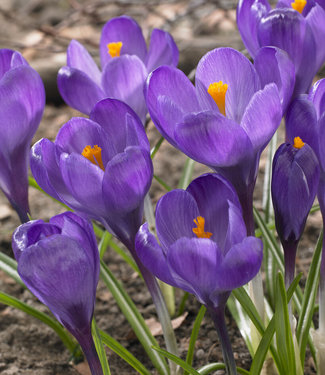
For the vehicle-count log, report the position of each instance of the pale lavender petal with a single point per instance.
(316, 20)
(5, 60)
(317, 96)
(262, 116)
(79, 58)
(124, 78)
(78, 90)
(235, 70)
(122, 29)
(162, 50)
(321, 140)
(175, 214)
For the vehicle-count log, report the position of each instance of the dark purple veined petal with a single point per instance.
(78, 90)
(152, 255)
(249, 14)
(79, 58)
(274, 65)
(175, 215)
(162, 50)
(235, 70)
(122, 29)
(262, 116)
(212, 139)
(321, 140)
(317, 96)
(121, 124)
(124, 78)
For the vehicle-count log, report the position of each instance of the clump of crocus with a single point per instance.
(22, 101)
(125, 63)
(224, 122)
(59, 262)
(204, 248)
(295, 177)
(298, 27)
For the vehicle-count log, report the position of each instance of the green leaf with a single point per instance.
(194, 334)
(187, 173)
(308, 303)
(99, 348)
(117, 348)
(104, 243)
(207, 369)
(182, 304)
(9, 266)
(66, 338)
(155, 149)
(135, 319)
(162, 183)
(283, 332)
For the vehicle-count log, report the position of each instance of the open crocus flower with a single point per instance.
(125, 64)
(225, 122)
(203, 247)
(59, 262)
(100, 167)
(298, 27)
(22, 101)
(295, 177)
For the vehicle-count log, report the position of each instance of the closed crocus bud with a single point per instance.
(59, 262)
(295, 178)
(22, 101)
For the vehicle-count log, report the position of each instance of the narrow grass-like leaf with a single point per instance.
(156, 147)
(315, 208)
(187, 174)
(104, 243)
(207, 369)
(66, 338)
(162, 183)
(283, 332)
(9, 266)
(308, 302)
(134, 318)
(194, 334)
(99, 348)
(182, 304)
(128, 357)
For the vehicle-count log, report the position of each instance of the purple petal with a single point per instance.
(127, 180)
(5, 60)
(235, 70)
(274, 65)
(249, 14)
(123, 78)
(212, 139)
(78, 90)
(152, 255)
(316, 20)
(262, 116)
(166, 106)
(317, 96)
(194, 264)
(79, 58)
(121, 124)
(122, 29)
(162, 50)
(216, 198)
(175, 214)
(240, 265)
(321, 141)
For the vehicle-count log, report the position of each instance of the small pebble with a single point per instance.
(200, 354)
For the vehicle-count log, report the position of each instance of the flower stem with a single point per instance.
(321, 199)
(218, 317)
(88, 347)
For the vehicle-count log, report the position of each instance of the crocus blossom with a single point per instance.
(125, 64)
(100, 167)
(297, 27)
(295, 178)
(22, 101)
(224, 122)
(59, 262)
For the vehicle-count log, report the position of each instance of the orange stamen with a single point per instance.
(218, 92)
(114, 49)
(298, 143)
(299, 5)
(199, 231)
(94, 154)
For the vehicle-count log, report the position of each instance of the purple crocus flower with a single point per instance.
(22, 101)
(59, 262)
(295, 177)
(297, 27)
(224, 122)
(125, 64)
(100, 167)
(203, 247)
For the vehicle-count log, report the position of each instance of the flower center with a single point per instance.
(299, 5)
(114, 49)
(199, 231)
(94, 154)
(218, 92)
(298, 143)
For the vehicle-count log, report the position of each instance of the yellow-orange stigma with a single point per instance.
(114, 49)
(199, 231)
(218, 92)
(298, 143)
(94, 154)
(299, 5)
